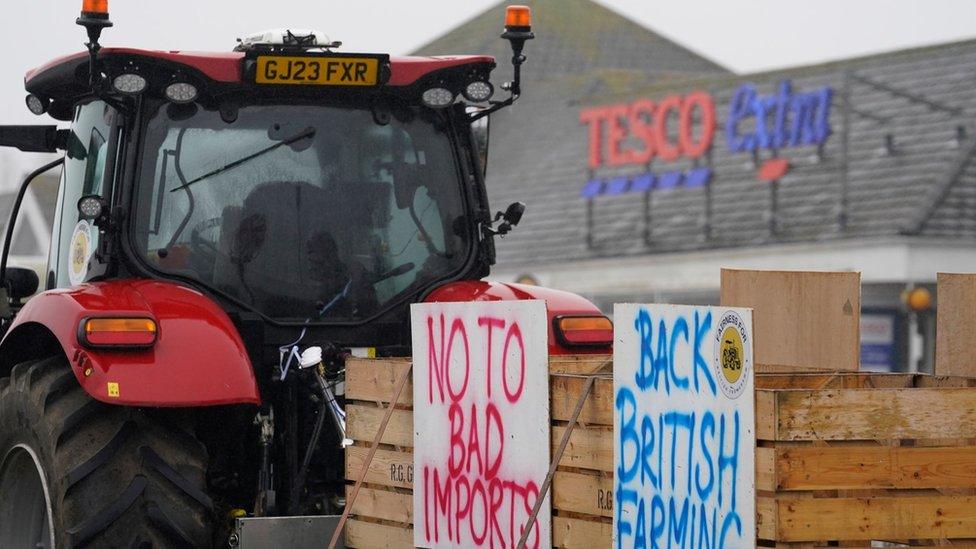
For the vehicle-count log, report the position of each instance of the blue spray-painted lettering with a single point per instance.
(677, 529)
(628, 433)
(680, 329)
(647, 450)
(728, 461)
(702, 327)
(705, 490)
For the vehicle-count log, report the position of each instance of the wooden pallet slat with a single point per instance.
(876, 518)
(866, 467)
(873, 414)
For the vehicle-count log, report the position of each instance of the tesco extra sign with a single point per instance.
(636, 134)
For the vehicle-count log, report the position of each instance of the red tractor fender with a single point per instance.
(558, 303)
(198, 359)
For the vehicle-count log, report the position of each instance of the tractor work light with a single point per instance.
(478, 91)
(181, 92)
(583, 331)
(118, 332)
(37, 105)
(91, 207)
(129, 84)
(438, 98)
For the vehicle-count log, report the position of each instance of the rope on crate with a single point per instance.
(401, 383)
(544, 490)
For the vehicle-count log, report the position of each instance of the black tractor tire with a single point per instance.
(117, 476)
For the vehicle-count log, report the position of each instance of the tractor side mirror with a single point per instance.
(47, 139)
(514, 213)
(509, 219)
(21, 283)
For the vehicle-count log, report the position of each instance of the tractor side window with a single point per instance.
(84, 173)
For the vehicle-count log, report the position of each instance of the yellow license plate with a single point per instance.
(318, 71)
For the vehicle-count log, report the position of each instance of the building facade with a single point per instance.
(646, 169)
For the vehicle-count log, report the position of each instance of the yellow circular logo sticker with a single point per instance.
(732, 354)
(79, 252)
(732, 362)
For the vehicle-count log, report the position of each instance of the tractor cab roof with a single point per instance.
(65, 80)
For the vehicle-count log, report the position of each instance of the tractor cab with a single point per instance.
(292, 182)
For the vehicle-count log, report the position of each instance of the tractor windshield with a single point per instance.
(302, 212)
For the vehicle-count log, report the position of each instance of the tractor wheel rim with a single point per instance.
(25, 507)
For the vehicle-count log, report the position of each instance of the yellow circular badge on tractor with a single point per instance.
(79, 253)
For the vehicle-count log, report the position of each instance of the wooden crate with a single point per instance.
(582, 491)
(850, 458)
(842, 458)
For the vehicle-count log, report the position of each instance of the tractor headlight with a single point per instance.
(129, 83)
(181, 92)
(37, 105)
(478, 91)
(438, 98)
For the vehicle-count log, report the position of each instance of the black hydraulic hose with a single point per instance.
(13, 215)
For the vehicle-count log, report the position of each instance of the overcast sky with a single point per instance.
(743, 35)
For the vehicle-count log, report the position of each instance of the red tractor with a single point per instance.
(230, 228)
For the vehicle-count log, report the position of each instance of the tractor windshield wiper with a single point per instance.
(306, 133)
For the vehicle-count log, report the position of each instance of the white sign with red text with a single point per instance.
(481, 423)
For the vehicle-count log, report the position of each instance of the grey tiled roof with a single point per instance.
(575, 36)
(926, 187)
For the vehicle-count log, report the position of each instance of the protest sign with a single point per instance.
(481, 423)
(684, 427)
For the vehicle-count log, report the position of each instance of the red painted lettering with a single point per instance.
(474, 446)
(436, 366)
(457, 327)
(492, 417)
(456, 417)
(491, 323)
(514, 332)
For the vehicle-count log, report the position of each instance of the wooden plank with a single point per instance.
(573, 532)
(374, 380)
(388, 468)
(766, 420)
(929, 517)
(382, 504)
(838, 380)
(766, 469)
(873, 414)
(580, 364)
(766, 509)
(801, 319)
(587, 448)
(955, 350)
(564, 394)
(371, 535)
(868, 467)
(363, 422)
(590, 494)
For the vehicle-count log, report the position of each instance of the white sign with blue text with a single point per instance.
(684, 427)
